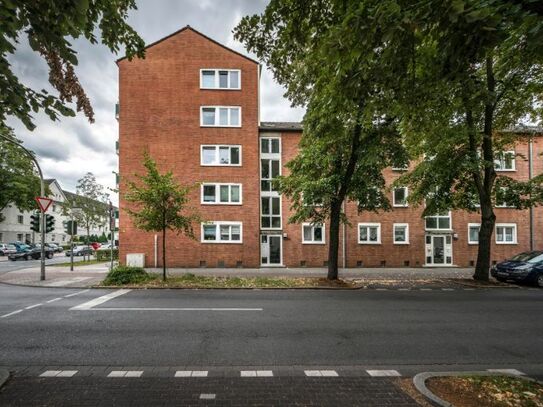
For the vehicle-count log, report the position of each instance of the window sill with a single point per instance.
(220, 126)
(313, 243)
(202, 88)
(220, 242)
(402, 243)
(372, 243)
(223, 203)
(509, 243)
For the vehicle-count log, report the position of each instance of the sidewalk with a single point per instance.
(88, 276)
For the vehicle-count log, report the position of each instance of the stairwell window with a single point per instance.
(399, 197)
(220, 155)
(312, 233)
(221, 232)
(369, 233)
(220, 116)
(223, 79)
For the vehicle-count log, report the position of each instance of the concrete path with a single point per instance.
(55, 276)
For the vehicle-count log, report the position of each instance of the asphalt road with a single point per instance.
(491, 328)
(7, 265)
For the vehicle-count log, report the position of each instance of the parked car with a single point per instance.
(525, 267)
(80, 251)
(107, 246)
(6, 249)
(31, 253)
(95, 245)
(20, 247)
(55, 247)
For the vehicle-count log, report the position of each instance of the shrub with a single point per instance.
(104, 255)
(126, 275)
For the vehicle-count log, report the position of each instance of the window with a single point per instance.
(269, 169)
(312, 233)
(220, 155)
(270, 212)
(402, 168)
(270, 145)
(54, 208)
(19, 237)
(506, 233)
(501, 201)
(401, 233)
(221, 232)
(220, 116)
(438, 222)
(20, 219)
(505, 161)
(221, 194)
(220, 79)
(399, 197)
(369, 233)
(473, 233)
(53, 237)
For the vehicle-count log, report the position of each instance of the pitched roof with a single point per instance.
(71, 196)
(280, 126)
(188, 27)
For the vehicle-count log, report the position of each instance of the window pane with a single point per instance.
(209, 193)
(399, 234)
(499, 234)
(234, 117)
(508, 161)
(276, 222)
(275, 146)
(275, 168)
(508, 234)
(223, 79)
(276, 210)
(224, 193)
(208, 116)
(265, 222)
(307, 234)
(225, 232)
(234, 79)
(373, 234)
(363, 233)
(234, 155)
(265, 185)
(473, 233)
(431, 222)
(208, 155)
(223, 116)
(265, 206)
(234, 190)
(209, 232)
(264, 145)
(236, 232)
(208, 79)
(265, 169)
(318, 234)
(399, 196)
(444, 223)
(224, 155)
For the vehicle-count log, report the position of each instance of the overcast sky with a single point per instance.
(71, 147)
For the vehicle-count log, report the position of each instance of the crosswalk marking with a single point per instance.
(125, 373)
(59, 373)
(191, 373)
(321, 373)
(256, 373)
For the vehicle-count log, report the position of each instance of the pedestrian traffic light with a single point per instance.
(71, 227)
(49, 223)
(35, 222)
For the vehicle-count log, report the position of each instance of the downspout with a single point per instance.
(156, 251)
(344, 236)
(530, 176)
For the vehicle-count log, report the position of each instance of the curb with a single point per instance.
(4, 376)
(420, 382)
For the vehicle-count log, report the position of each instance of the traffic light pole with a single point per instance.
(42, 193)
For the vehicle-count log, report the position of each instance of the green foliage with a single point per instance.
(126, 275)
(19, 181)
(50, 28)
(160, 202)
(105, 255)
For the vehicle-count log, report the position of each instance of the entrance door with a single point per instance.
(270, 250)
(438, 250)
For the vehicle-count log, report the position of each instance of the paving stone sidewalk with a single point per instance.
(213, 391)
(58, 276)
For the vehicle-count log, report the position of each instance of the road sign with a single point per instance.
(44, 203)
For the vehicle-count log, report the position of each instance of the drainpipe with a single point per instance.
(530, 176)
(156, 251)
(344, 233)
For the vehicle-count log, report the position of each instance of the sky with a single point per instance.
(69, 148)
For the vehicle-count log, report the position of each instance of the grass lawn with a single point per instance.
(192, 281)
(487, 391)
(81, 263)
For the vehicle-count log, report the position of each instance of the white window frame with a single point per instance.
(439, 216)
(269, 155)
(217, 186)
(217, 161)
(313, 226)
(394, 226)
(216, 70)
(369, 225)
(20, 219)
(506, 225)
(473, 225)
(499, 162)
(400, 205)
(270, 215)
(504, 205)
(217, 225)
(217, 123)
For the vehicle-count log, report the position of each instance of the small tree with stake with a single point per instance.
(161, 205)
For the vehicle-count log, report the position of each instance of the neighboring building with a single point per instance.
(193, 104)
(16, 225)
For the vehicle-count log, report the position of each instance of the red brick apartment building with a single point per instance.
(194, 105)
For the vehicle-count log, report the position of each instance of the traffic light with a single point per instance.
(35, 222)
(49, 223)
(70, 227)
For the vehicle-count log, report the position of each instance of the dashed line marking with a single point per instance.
(256, 373)
(11, 313)
(125, 373)
(404, 289)
(191, 373)
(205, 396)
(383, 373)
(469, 289)
(53, 300)
(59, 373)
(381, 289)
(508, 371)
(447, 289)
(34, 306)
(74, 294)
(426, 289)
(321, 373)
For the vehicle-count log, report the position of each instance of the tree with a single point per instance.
(316, 50)
(91, 200)
(477, 71)
(160, 204)
(19, 181)
(50, 27)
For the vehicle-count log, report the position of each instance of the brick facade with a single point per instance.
(160, 112)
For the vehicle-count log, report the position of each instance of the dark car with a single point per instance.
(31, 253)
(54, 247)
(80, 251)
(525, 267)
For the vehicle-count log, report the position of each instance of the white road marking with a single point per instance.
(50, 373)
(469, 289)
(53, 300)
(163, 309)
(11, 313)
(321, 373)
(97, 301)
(125, 373)
(425, 289)
(59, 373)
(381, 289)
(191, 373)
(66, 281)
(447, 289)
(34, 306)
(256, 373)
(204, 396)
(77, 293)
(382, 373)
(404, 289)
(508, 371)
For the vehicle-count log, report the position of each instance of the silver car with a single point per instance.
(7, 249)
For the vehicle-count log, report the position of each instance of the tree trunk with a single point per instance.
(164, 254)
(333, 245)
(488, 219)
